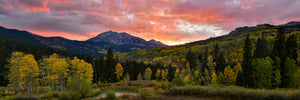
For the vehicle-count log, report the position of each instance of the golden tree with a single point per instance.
(140, 77)
(81, 70)
(157, 74)
(119, 71)
(29, 71)
(148, 74)
(14, 74)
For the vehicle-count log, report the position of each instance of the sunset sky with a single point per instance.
(169, 21)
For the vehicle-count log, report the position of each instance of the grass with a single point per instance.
(233, 92)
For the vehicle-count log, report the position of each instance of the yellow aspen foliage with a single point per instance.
(206, 77)
(140, 77)
(211, 65)
(157, 75)
(81, 70)
(119, 71)
(187, 69)
(229, 76)
(163, 74)
(187, 78)
(214, 78)
(237, 68)
(177, 73)
(173, 65)
(14, 74)
(54, 71)
(126, 77)
(28, 72)
(148, 74)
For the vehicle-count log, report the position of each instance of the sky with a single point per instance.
(169, 21)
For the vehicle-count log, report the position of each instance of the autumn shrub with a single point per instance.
(80, 86)
(178, 82)
(50, 94)
(143, 93)
(24, 97)
(110, 95)
(93, 93)
(68, 95)
(161, 85)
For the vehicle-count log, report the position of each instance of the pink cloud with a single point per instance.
(148, 19)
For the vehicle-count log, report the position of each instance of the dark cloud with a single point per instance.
(148, 19)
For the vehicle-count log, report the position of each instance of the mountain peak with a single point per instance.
(124, 38)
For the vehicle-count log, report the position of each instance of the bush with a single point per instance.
(49, 95)
(67, 95)
(162, 85)
(178, 82)
(143, 93)
(94, 93)
(110, 95)
(80, 86)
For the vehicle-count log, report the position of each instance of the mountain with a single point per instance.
(231, 44)
(116, 38)
(97, 46)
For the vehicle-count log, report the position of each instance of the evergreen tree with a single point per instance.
(204, 63)
(110, 67)
(291, 47)
(246, 64)
(216, 52)
(220, 63)
(261, 48)
(99, 68)
(191, 58)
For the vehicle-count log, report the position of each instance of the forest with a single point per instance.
(263, 68)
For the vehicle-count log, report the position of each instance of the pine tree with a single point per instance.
(191, 58)
(291, 47)
(261, 48)
(220, 63)
(204, 63)
(109, 68)
(246, 64)
(216, 52)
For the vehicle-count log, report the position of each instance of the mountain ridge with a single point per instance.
(94, 48)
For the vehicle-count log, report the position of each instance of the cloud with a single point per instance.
(170, 21)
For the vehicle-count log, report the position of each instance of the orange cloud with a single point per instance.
(170, 21)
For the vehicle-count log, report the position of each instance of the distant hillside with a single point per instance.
(97, 46)
(231, 44)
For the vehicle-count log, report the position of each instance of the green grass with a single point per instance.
(233, 92)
